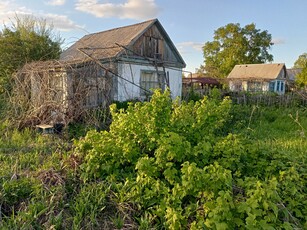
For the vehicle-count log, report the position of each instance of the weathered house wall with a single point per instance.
(89, 86)
(60, 92)
(133, 73)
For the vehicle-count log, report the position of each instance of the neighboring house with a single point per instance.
(258, 78)
(120, 64)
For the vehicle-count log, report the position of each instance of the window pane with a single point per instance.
(148, 81)
(152, 80)
(272, 86)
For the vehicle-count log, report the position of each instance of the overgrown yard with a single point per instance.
(162, 165)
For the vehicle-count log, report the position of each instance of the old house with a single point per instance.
(120, 64)
(141, 56)
(258, 78)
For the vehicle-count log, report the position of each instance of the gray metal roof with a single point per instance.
(256, 71)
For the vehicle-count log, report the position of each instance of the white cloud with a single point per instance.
(188, 47)
(278, 41)
(8, 11)
(56, 2)
(61, 22)
(132, 9)
(4, 5)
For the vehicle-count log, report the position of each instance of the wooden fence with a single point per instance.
(287, 100)
(291, 99)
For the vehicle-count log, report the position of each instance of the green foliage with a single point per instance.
(185, 170)
(301, 78)
(88, 205)
(192, 95)
(28, 39)
(162, 165)
(13, 192)
(234, 45)
(76, 130)
(301, 62)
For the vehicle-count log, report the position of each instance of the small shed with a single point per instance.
(199, 83)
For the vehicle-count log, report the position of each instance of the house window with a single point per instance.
(278, 84)
(236, 86)
(150, 80)
(272, 86)
(254, 86)
(281, 86)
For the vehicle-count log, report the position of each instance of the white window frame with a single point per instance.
(157, 81)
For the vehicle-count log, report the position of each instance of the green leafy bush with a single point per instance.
(162, 165)
(184, 169)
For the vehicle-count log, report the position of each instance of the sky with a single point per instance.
(189, 23)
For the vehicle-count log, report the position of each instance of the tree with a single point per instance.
(234, 45)
(27, 39)
(301, 78)
(301, 62)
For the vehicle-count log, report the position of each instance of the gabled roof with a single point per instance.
(256, 71)
(293, 72)
(110, 43)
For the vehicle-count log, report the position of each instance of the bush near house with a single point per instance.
(204, 164)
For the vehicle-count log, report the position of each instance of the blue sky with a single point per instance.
(189, 23)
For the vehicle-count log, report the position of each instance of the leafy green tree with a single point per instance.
(234, 45)
(27, 39)
(301, 78)
(301, 62)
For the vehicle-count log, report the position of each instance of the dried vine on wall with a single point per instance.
(60, 92)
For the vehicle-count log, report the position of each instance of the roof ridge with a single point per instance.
(280, 63)
(121, 27)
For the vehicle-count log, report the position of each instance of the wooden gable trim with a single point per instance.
(180, 62)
